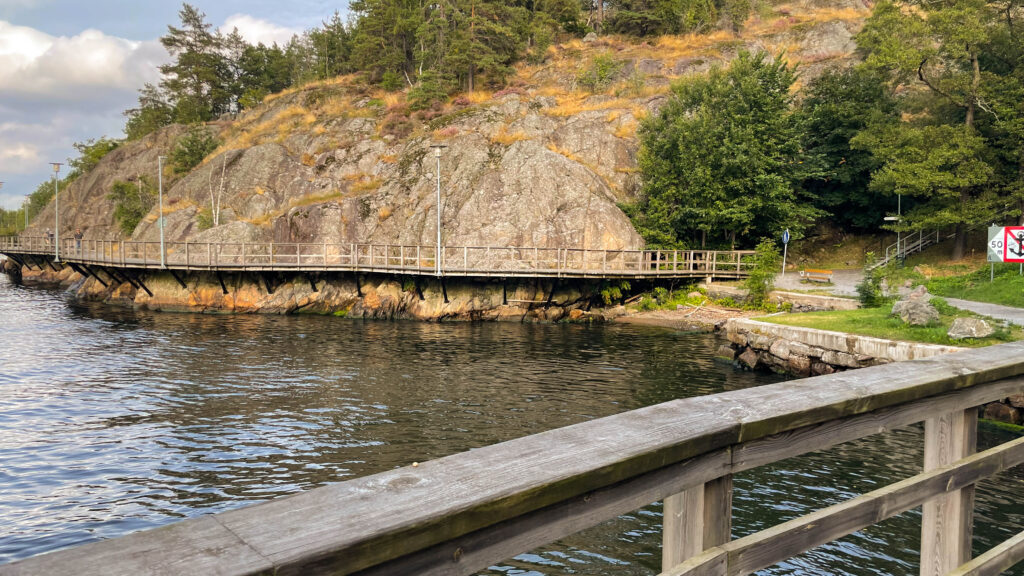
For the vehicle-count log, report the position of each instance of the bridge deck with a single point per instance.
(462, 261)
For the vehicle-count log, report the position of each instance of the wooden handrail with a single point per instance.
(458, 260)
(462, 513)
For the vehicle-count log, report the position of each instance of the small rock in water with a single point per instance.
(969, 328)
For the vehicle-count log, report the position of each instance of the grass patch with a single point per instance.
(1007, 288)
(1014, 428)
(878, 323)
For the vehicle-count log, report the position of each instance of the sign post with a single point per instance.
(785, 250)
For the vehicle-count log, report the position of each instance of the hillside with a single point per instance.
(542, 163)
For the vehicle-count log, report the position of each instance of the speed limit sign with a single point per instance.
(996, 243)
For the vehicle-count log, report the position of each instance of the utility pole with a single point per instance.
(56, 216)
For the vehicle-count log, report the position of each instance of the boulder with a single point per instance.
(800, 365)
(1002, 413)
(1017, 400)
(749, 358)
(969, 328)
(914, 309)
(726, 352)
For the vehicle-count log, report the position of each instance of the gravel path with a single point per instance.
(1008, 313)
(844, 282)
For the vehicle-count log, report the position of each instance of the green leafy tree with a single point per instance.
(934, 164)
(722, 158)
(132, 201)
(198, 78)
(942, 47)
(153, 112)
(192, 148)
(836, 107)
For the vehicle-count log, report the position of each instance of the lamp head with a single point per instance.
(56, 166)
(437, 149)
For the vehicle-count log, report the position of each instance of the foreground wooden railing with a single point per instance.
(390, 258)
(465, 512)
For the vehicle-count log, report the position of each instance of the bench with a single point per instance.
(816, 275)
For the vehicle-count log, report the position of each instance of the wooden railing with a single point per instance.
(391, 258)
(463, 513)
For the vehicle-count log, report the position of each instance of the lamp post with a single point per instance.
(437, 154)
(160, 214)
(28, 200)
(56, 216)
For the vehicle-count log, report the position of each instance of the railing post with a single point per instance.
(695, 520)
(947, 521)
(465, 257)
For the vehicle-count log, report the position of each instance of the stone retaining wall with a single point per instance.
(808, 352)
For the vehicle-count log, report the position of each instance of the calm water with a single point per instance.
(113, 421)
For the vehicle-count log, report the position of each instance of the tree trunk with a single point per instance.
(959, 242)
(600, 16)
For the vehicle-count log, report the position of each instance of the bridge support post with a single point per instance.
(695, 520)
(947, 521)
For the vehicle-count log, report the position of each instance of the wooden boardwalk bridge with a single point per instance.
(462, 513)
(453, 261)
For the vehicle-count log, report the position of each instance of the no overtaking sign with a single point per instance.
(1006, 244)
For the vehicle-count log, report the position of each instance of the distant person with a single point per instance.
(78, 239)
(49, 237)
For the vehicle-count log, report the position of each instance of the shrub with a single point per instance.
(432, 87)
(600, 74)
(869, 290)
(132, 201)
(762, 276)
(192, 148)
(613, 292)
(397, 125)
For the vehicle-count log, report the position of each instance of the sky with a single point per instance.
(69, 69)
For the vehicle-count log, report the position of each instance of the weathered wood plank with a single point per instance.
(768, 547)
(479, 550)
(682, 533)
(198, 546)
(947, 522)
(793, 443)
(995, 561)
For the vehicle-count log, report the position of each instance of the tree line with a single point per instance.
(932, 117)
(433, 48)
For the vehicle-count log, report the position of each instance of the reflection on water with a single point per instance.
(113, 421)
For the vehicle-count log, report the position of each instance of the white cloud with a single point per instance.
(89, 65)
(256, 30)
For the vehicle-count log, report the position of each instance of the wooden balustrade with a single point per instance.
(465, 512)
(485, 261)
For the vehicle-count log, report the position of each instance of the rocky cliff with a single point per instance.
(541, 163)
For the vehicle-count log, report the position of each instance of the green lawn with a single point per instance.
(1007, 288)
(878, 323)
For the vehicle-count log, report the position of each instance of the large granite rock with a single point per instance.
(970, 328)
(915, 309)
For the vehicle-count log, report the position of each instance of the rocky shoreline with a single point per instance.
(350, 295)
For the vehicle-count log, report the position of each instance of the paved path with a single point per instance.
(1008, 313)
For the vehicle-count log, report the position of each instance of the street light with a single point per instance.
(898, 219)
(437, 154)
(56, 216)
(160, 214)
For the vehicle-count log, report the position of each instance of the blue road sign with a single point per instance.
(785, 236)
